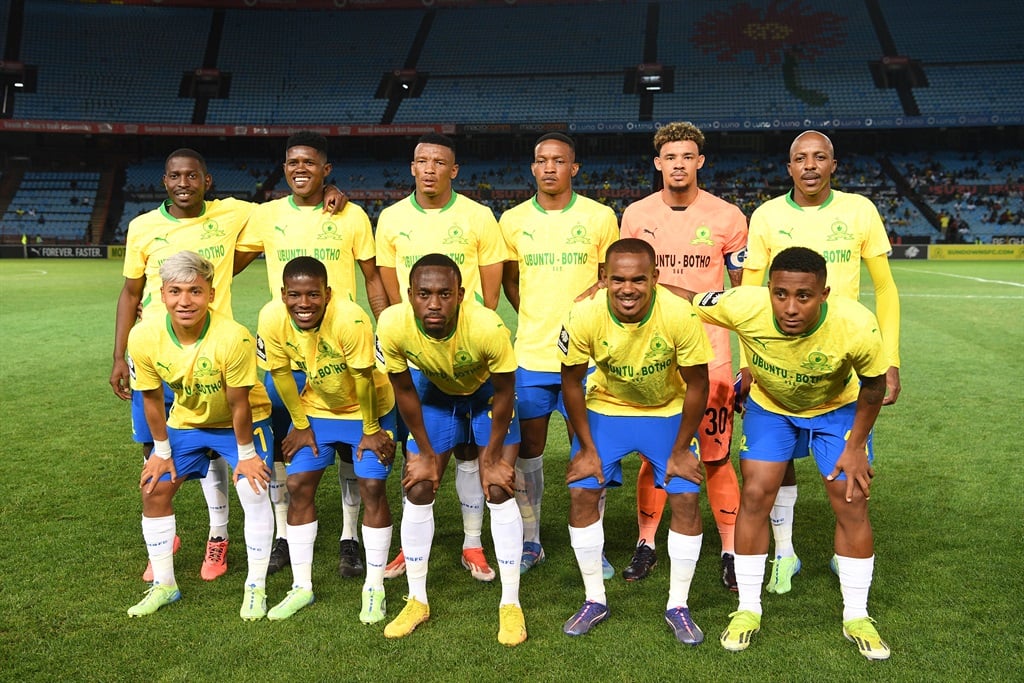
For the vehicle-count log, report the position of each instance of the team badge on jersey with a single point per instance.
(456, 235)
(204, 368)
(211, 229)
(563, 340)
(462, 359)
(324, 350)
(579, 235)
(329, 231)
(817, 362)
(839, 231)
(703, 236)
(659, 348)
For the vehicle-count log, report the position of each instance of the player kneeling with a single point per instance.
(345, 403)
(209, 361)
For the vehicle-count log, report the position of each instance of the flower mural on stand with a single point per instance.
(786, 33)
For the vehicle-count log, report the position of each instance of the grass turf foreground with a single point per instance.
(946, 506)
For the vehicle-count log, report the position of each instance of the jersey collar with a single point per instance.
(416, 204)
(792, 202)
(202, 335)
(167, 214)
(291, 202)
(536, 204)
(647, 316)
(808, 333)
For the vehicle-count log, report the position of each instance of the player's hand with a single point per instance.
(590, 291)
(155, 468)
(586, 463)
(256, 473)
(892, 386)
(746, 379)
(858, 472)
(496, 472)
(120, 380)
(334, 200)
(421, 467)
(684, 464)
(296, 440)
(382, 445)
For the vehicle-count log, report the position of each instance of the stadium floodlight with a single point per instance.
(648, 78)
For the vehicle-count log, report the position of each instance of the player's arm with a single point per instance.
(250, 465)
(159, 461)
(754, 277)
(242, 260)
(887, 305)
(301, 434)
(376, 294)
(422, 467)
(681, 462)
(490, 284)
(510, 283)
(374, 438)
(127, 313)
(495, 471)
(854, 458)
(389, 278)
(587, 462)
(679, 291)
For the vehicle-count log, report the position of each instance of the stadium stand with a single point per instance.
(53, 205)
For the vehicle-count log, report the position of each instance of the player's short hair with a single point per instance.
(187, 153)
(678, 131)
(186, 267)
(307, 138)
(439, 260)
(631, 245)
(799, 260)
(560, 137)
(437, 139)
(305, 266)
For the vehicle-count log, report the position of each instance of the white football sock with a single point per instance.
(158, 533)
(507, 534)
(301, 539)
(749, 578)
(350, 500)
(376, 543)
(683, 552)
(588, 542)
(258, 529)
(417, 537)
(855, 574)
(279, 498)
(529, 493)
(471, 497)
(782, 521)
(215, 490)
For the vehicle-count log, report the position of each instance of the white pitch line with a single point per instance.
(964, 277)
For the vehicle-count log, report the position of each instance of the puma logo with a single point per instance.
(787, 233)
(647, 230)
(649, 515)
(279, 229)
(528, 234)
(405, 235)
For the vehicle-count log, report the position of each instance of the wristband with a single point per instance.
(162, 449)
(246, 451)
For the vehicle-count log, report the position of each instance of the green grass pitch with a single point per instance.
(946, 507)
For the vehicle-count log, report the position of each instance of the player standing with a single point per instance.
(185, 220)
(846, 229)
(698, 238)
(345, 402)
(435, 218)
(464, 393)
(556, 242)
(647, 395)
(804, 348)
(296, 226)
(209, 362)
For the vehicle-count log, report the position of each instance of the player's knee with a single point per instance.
(497, 495)
(420, 493)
